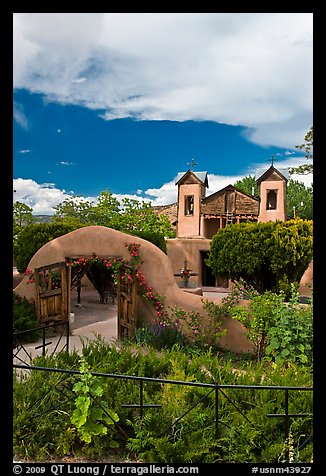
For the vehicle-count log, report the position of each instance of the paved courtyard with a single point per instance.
(90, 319)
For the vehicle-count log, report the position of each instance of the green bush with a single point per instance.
(24, 318)
(160, 336)
(280, 331)
(45, 402)
(34, 236)
(269, 256)
(154, 237)
(291, 338)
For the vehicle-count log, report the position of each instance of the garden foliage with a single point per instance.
(48, 420)
(34, 236)
(24, 317)
(269, 256)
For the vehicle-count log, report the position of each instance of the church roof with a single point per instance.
(226, 189)
(202, 176)
(262, 174)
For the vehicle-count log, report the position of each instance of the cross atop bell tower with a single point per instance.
(192, 163)
(272, 160)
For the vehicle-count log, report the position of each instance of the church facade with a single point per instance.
(199, 217)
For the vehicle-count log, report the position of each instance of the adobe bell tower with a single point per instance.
(191, 189)
(272, 192)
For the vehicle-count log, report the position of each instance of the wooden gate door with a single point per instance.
(127, 303)
(52, 292)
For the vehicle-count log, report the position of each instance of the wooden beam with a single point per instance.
(51, 266)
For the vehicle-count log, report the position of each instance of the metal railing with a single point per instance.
(19, 339)
(216, 388)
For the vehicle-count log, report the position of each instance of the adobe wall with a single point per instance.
(181, 249)
(305, 288)
(156, 268)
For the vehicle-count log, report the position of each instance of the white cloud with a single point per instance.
(24, 151)
(234, 68)
(65, 163)
(168, 193)
(20, 116)
(43, 197)
(79, 80)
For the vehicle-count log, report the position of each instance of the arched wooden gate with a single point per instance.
(53, 303)
(127, 303)
(52, 292)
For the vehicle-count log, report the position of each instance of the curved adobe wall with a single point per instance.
(156, 268)
(306, 283)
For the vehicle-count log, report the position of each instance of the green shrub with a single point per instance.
(154, 237)
(258, 319)
(291, 338)
(160, 336)
(280, 331)
(270, 256)
(34, 236)
(183, 429)
(24, 318)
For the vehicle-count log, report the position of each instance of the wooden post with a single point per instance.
(221, 221)
(119, 302)
(68, 273)
(37, 294)
(134, 303)
(64, 297)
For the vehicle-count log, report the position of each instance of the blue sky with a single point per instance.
(125, 101)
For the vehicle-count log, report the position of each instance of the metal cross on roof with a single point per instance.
(192, 163)
(272, 159)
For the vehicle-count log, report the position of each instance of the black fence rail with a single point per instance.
(218, 390)
(21, 339)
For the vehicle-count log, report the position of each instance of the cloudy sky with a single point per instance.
(125, 101)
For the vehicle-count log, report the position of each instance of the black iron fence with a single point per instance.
(218, 390)
(22, 339)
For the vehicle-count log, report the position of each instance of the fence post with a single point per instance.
(43, 342)
(216, 410)
(287, 428)
(141, 398)
(68, 332)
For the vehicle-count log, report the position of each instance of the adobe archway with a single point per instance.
(156, 268)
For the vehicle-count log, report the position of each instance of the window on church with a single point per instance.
(189, 205)
(271, 202)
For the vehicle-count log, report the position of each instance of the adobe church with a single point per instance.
(199, 217)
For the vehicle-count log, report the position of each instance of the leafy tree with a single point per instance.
(247, 185)
(22, 216)
(297, 195)
(130, 216)
(269, 256)
(299, 198)
(141, 217)
(107, 210)
(34, 236)
(307, 146)
(75, 207)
